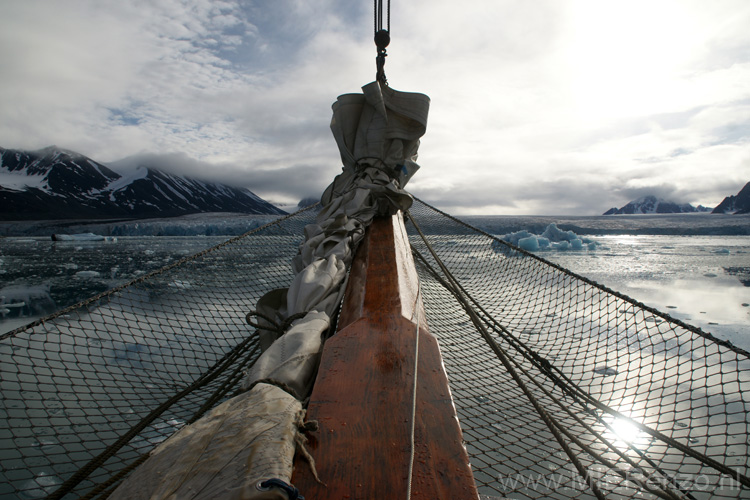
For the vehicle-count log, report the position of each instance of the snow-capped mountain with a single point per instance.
(735, 204)
(54, 183)
(654, 205)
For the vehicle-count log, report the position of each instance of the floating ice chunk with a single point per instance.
(78, 237)
(605, 370)
(553, 238)
(41, 486)
(554, 233)
(514, 238)
(87, 274)
(24, 300)
(155, 434)
(530, 243)
(135, 355)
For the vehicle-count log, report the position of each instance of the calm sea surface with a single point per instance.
(694, 267)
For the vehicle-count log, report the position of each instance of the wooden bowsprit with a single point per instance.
(382, 433)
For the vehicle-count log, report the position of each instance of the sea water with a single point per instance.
(701, 280)
(694, 267)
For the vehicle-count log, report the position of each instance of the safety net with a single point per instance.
(563, 388)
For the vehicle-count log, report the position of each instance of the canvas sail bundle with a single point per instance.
(378, 135)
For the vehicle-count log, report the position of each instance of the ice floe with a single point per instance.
(552, 238)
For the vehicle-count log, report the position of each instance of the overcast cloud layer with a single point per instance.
(538, 107)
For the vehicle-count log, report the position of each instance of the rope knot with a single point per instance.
(273, 325)
(290, 490)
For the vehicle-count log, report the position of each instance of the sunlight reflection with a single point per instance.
(626, 431)
(623, 433)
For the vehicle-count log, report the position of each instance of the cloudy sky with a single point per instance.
(538, 106)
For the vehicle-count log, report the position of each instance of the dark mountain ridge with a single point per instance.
(54, 183)
(735, 204)
(653, 205)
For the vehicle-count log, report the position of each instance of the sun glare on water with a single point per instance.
(625, 431)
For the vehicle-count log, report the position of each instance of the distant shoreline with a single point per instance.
(232, 224)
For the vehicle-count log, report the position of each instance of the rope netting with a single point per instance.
(134, 365)
(563, 388)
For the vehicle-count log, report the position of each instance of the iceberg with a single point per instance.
(82, 237)
(26, 301)
(552, 238)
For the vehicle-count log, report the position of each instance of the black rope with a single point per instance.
(382, 38)
(291, 492)
(115, 479)
(379, 15)
(278, 328)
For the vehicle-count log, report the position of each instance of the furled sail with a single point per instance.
(378, 136)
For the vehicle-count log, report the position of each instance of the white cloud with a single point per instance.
(537, 107)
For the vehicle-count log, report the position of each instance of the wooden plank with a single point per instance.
(363, 395)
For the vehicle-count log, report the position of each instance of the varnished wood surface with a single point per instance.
(362, 398)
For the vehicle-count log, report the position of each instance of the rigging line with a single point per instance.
(741, 478)
(220, 392)
(412, 444)
(575, 391)
(115, 478)
(207, 377)
(147, 276)
(566, 408)
(544, 366)
(656, 434)
(619, 295)
(504, 359)
(559, 383)
(500, 353)
(378, 10)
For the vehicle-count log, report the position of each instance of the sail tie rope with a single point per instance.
(290, 490)
(275, 326)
